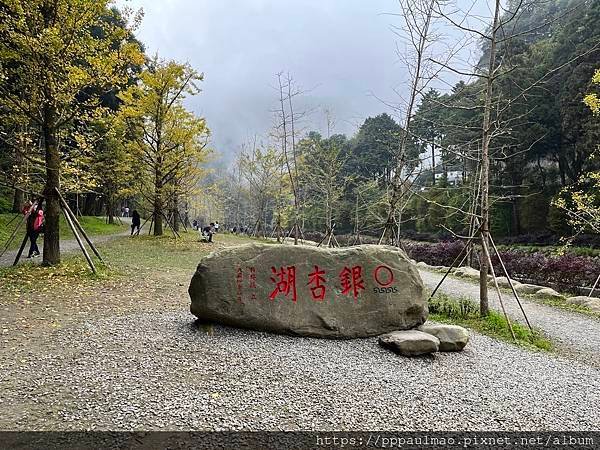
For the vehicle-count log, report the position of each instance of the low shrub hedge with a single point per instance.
(536, 267)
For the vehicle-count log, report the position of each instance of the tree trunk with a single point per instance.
(176, 220)
(562, 171)
(110, 210)
(98, 207)
(158, 204)
(484, 308)
(89, 204)
(52, 212)
(175, 213)
(433, 164)
(516, 218)
(18, 200)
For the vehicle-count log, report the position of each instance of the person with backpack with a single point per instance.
(35, 224)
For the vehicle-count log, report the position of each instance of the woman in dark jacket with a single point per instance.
(135, 221)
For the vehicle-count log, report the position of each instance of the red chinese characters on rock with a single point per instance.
(252, 278)
(239, 280)
(352, 281)
(285, 282)
(242, 288)
(317, 283)
(252, 283)
(383, 276)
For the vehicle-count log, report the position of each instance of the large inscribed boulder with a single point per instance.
(338, 293)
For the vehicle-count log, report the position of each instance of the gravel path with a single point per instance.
(577, 335)
(158, 371)
(66, 246)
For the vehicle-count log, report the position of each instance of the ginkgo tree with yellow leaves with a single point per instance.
(167, 142)
(582, 202)
(54, 68)
(592, 99)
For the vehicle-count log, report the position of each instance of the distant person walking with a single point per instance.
(35, 222)
(216, 227)
(135, 222)
(126, 212)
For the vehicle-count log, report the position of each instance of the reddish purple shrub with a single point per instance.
(439, 254)
(567, 271)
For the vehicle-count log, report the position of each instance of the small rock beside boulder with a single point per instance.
(453, 338)
(592, 303)
(428, 338)
(410, 342)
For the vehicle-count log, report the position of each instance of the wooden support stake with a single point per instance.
(137, 233)
(20, 252)
(12, 236)
(594, 286)
(151, 223)
(175, 234)
(170, 222)
(13, 219)
(74, 230)
(336, 241)
(181, 221)
(514, 291)
(468, 243)
(486, 250)
(65, 206)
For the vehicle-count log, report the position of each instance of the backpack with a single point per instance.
(38, 222)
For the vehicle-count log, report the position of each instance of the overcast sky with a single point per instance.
(341, 51)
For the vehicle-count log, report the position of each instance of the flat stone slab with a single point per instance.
(503, 282)
(350, 292)
(592, 303)
(453, 338)
(526, 288)
(549, 292)
(467, 272)
(410, 342)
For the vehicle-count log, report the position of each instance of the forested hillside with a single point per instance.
(88, 125)
(544, 145)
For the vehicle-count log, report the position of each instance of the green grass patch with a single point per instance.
(125, 257)
(145, 252)
(71, 274)
(93, 226)
(464, 312)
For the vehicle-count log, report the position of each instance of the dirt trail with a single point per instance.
(66, 246)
